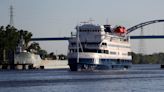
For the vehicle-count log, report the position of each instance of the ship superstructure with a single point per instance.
(99, 47)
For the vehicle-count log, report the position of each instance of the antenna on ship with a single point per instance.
(90, 20)
(107, 21)
(84, 22)
(77, 43)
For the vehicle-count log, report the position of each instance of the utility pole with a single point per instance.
(141, 46)
(141, 43)
(11, 52)
(11, 16)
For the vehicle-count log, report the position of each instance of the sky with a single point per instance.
(58, 18)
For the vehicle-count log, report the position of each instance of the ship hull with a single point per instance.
(102, 64)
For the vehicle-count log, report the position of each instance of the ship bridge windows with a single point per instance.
(108, 28)
(84, 44)
(89, 30)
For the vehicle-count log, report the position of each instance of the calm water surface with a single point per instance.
(140, 78)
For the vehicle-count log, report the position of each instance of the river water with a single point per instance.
(140, 78)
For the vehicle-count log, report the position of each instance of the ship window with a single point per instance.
(103, 51)
(84, 44)
(99, 51)
(126, 40)
(70, 51)
(129, 53)
(73, 44)
(83, 60)
(74, 50)
(124, 54)
(104, 44)
(90, 50)
(106, 51)
(112, 52)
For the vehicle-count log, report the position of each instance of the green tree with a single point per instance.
(8, 41)
(156, 58)
(9, 37)
(43, 53)
(27, 36)
(34, 48)
(62, 57)
(52, 56)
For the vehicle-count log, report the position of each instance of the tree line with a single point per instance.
(156, 58)
(35, 48)
(9, 39)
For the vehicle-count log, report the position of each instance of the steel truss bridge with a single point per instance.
(129, 30)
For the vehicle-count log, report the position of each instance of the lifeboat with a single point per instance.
(120, 30)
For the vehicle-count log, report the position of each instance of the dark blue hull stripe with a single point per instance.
(106, 62)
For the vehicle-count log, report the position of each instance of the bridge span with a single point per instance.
(67, 38)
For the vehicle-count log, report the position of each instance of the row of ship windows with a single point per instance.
(119, 46)
(110, 45)
(89, 30)
(100, 51)
(90, 50)
(83, 43)
(107, 61)
(116, 61)
(119, 39)
(103, 44)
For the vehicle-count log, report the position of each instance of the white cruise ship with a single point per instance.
(99, 47)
